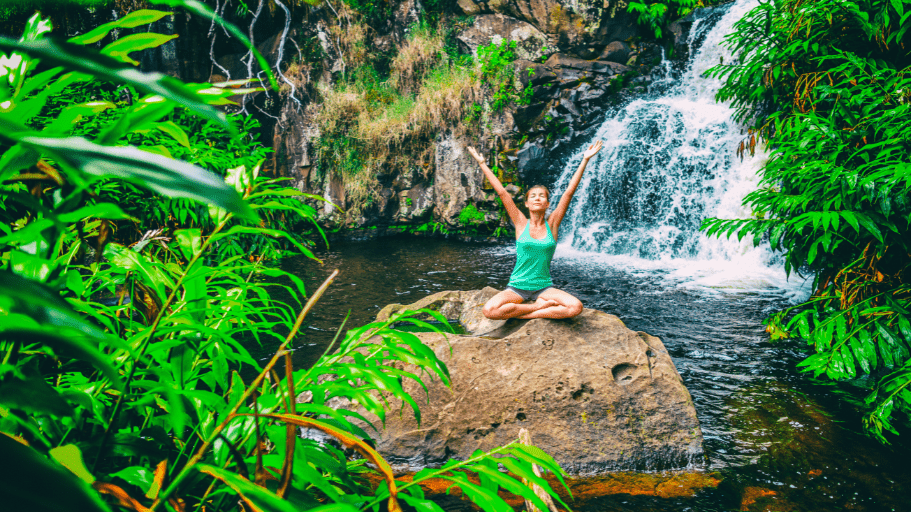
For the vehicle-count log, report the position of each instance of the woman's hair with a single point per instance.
(542, 187)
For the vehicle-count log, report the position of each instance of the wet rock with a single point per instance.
(593, 393)
(617, 51)
(570, 67)
(531, 161)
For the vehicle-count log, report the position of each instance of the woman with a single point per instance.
(536, 240)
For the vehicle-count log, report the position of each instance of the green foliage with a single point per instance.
(312, 53)
(127, 375)
(826, 84)
(340, 153)
(658, 14)
(433, 227)
(373, 10)
(497, 71)
(471, 216)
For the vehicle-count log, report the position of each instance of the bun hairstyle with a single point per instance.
(542, 187)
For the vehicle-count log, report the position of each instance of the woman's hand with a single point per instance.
(475, 154)
(592, 150)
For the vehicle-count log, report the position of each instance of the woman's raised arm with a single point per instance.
(560, 211)
(515, 215)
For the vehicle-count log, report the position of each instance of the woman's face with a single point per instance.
(537, 200)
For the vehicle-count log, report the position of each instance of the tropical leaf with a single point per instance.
(172, 178)
(256, 497)
(66, 343)
(123, 47)
(103, 67)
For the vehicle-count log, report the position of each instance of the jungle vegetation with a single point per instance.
(825, 86)
(138, 266)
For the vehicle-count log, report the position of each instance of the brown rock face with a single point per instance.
(573, 23)
(594, 394)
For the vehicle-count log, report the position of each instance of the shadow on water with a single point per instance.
(775, 439)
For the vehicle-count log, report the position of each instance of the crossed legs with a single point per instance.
(552, 303)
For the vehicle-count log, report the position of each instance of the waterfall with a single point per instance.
(668, 162)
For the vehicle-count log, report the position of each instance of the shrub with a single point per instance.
(497, 71)
(470, 216)
(825, 83)
(656, 15)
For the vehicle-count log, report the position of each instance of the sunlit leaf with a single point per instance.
(70, 457)
(121, 48)
(131, 20)
(258, 498)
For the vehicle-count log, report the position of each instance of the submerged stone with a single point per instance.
(594, 394)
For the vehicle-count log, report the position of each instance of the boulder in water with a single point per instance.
(593, 393)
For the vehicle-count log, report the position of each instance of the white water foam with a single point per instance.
(669, 161)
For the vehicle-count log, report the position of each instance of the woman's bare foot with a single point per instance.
(545, 303)
(539, 304)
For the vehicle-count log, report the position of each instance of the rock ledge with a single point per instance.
(594, 394)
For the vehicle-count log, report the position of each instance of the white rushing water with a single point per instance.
(669, 161)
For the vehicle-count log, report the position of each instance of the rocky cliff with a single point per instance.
(379, 98)
(569, 59)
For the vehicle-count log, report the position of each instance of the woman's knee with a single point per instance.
(575, 307)
(491, 311)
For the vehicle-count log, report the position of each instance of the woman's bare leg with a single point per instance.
(555, 303)
(508, 304)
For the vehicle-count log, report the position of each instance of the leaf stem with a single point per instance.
(150, 334)
(185, 471)
(440, 471)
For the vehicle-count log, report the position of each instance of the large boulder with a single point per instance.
(593, 393)
(579, 25)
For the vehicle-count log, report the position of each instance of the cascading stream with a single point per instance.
(669, 161)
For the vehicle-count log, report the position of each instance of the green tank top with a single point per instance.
(533, 259)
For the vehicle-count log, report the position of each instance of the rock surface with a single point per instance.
(593, 393)
(531, 43)
(458, 178)
(576, 24)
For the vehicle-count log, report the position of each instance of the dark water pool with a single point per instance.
(775, 439)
